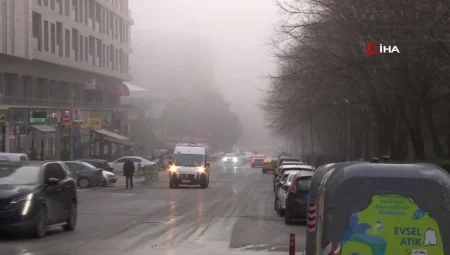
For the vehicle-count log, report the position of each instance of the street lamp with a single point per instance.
(348, 130)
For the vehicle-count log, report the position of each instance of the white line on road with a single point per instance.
(234, 191)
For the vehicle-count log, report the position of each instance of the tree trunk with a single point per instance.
(414, 130)
(433, 131)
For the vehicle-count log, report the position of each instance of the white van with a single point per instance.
(189, 166)
(4, 156)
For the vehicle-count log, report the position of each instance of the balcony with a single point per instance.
(54, 103)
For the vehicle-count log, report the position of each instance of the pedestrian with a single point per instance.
(128, 172)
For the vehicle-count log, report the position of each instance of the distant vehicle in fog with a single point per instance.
(230, 159)
(257, 161)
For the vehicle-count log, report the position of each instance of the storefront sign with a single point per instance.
(37, 117)
(66, 117)
(90, 84)
(94, 123)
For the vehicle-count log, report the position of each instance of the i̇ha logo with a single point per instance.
(374, 48)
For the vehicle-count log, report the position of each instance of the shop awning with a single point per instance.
(116, 138)
(43, 128)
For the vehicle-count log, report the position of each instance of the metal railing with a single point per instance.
(149, 173)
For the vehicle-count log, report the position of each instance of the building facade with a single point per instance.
(62, 57)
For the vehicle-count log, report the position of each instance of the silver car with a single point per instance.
(280, 197)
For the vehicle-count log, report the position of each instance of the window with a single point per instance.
(60, 4)
(136, 160)
(302, 183)
(189, 159)
(75, 8)
(75, 43)
(116, 58)
(67, 7)
(99, 51)
(23, 158)
(46, 3)
(53, 38)
(86, 50)
(67, 40)
(54, 170)
(52, 4)
(37, 27)
(46, 35)
(122, 160)
(107, 56)
(59, 38)
(39, 2)
(81, 48)
(74, 167)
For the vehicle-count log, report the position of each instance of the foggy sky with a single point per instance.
(239, 31)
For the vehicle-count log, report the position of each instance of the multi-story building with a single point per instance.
(57, 58)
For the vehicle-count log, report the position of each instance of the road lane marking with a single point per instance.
(234, 191)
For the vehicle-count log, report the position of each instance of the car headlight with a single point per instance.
(173, 168)
(26, 207)
(201, 170)
(224, 159)
(235, 159)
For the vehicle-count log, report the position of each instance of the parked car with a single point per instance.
(296, 204)
(13, 156)
(284, 168)
(280, 162)
(117, 165)
(86, 174)
(99, 163)
(109, 177)
(38, 196)
(280, 197)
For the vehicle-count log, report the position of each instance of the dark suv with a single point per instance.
(36, 196)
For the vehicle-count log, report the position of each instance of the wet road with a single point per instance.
(234, 215)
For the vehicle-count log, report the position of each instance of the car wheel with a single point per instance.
(73, 216)
(288, 218)
(40, 229)
(263, 171)
(104, 183)
(84, 183)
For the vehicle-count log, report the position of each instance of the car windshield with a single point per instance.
(230, 155)
(19, 175)
(189, 159)
(88, 165)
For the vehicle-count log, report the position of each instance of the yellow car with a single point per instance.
(268, 165)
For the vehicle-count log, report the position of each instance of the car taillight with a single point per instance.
(264, 160)
(253, 160)
(98, 172)
(293, 188)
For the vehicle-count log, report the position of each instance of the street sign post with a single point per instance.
(380, 209)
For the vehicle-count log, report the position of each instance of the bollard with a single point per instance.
(292, 244)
